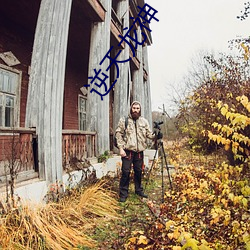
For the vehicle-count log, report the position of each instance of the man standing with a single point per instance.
(132, 141)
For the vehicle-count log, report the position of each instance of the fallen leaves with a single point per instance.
(208, 208)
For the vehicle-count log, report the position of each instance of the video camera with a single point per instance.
(157, 131)
(157, 125)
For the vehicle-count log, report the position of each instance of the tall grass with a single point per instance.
(62, 225)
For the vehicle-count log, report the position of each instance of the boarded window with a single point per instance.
(82, 103)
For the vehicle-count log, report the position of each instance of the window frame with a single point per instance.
(79, 112)
(17, 96)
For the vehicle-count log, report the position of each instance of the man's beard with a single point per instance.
(135, 115)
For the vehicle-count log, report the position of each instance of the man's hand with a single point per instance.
(122, 152)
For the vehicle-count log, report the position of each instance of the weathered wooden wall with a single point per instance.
(48, 95)
(45, 96)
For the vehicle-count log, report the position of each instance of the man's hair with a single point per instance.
(135, 103)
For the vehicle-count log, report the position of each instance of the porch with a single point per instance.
(19, 152)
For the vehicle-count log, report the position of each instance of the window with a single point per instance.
(9, 97)
(82, 101)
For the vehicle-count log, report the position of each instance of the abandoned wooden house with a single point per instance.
(48, 51)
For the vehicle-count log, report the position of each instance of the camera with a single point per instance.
(157, 125)
(157, 132)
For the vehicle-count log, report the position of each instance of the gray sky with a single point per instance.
(185, 27)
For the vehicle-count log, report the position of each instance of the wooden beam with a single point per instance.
(92, 9)
(145, 74)
(17, 130)
(135, 63)
(77, 132)
(116, 32)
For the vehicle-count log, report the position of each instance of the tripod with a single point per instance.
(159, 148)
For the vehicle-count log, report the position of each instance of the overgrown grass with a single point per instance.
(62, 225)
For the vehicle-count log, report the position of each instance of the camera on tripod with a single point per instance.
(157, 131)
(159, 148)
(157, 125)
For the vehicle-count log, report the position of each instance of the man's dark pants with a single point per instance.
(135, 158)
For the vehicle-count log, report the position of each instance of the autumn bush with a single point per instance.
(208, 208)
(219, 78)
(234, 134)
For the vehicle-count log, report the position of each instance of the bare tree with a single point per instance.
(12, 167)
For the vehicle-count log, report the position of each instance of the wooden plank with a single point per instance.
(77, 132)
(21, 177)
(92, 9)
(116, 32)
(145, 74)
(9, 58)
(135, 62)
(17, 130)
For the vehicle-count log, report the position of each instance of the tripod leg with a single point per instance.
(150, 170)
(162, 178)
(165, 158)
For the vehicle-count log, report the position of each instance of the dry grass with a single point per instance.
(62, 225)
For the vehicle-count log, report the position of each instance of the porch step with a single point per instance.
(22, 179)
(93, 160)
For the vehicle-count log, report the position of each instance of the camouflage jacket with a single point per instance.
(136, 134)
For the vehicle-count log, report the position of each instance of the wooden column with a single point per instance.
(147, 94)
(138, 76)
(45, 96)
(121, 93)
(97, 109)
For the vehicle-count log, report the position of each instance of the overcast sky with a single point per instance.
(184, 28)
